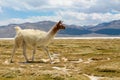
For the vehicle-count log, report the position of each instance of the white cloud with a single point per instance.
(81, 5)
(69, 18)
(30, 19)
(0, 7)
(103, 6)
(87, 18)
(22, 5)
(79, 12)
(62, 3)
(1, 10)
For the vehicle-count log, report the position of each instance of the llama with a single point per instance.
(32, 38)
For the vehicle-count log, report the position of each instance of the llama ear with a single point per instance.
(60, 22)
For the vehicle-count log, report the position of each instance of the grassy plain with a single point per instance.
(79, 59)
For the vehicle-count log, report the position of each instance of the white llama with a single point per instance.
(33, 38)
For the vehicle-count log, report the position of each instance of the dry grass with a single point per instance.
(100, 57)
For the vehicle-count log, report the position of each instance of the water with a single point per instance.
(73, 38)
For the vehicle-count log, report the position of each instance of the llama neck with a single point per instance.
(52, 32)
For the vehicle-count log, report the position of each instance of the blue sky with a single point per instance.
(78, 12)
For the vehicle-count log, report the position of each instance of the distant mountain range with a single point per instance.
(101, 30)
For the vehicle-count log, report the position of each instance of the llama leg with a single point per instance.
(24, 52)
(48, 54)
(13, 53)
(34, 51)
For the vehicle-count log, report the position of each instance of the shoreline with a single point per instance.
(73, 38)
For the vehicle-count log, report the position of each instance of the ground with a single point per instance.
(75, 59)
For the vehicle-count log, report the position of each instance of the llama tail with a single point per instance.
(18, 37)
(17, 28)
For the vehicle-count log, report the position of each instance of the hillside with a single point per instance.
(104, 29)
(110, 28)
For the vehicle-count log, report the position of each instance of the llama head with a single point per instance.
(60, 25)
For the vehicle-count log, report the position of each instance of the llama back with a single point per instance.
(32, 37)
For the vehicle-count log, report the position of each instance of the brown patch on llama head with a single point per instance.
(60, 25)
(57, 27)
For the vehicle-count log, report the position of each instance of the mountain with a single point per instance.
(71, 30)
(110, 28)
(75, 30)
(104, 29)
(9, 31)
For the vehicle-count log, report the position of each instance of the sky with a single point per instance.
(77, 12)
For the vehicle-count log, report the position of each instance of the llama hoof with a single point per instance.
(32, 61)
(11, 61)
(28, 61)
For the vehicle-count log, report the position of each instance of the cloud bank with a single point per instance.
(79, 12)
